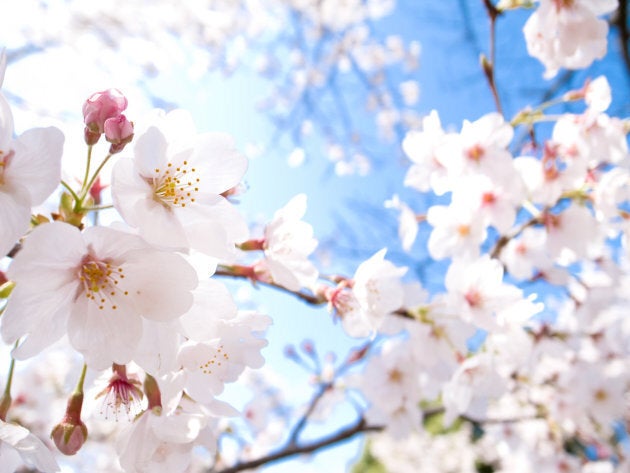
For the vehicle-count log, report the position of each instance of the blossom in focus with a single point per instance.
(235, 344)
(568, 33)
(95, 286)
(19, 446)
(30, 170)
(171, 190)
(160, 441)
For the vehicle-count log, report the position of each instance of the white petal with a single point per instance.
(6, 125)
(150, 152)
(160, 284)
(223, 166)
(37, 162)
(103, 336)
(15, 215)
(212, 301)
(31, 449)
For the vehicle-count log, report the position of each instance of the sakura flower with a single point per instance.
(30, 170)
(426, 172)
(457, 231)
(547, 178)
(375, 291)
(495, 203)
(171, 190)
(96, 286)
(473, 384)
(287, 244)
(208, 365)
(480, 148)
(19, 446)
(567, 33)
(476, 291)
(160, 441)
(392, 384)
(526, 254)
(574, 230)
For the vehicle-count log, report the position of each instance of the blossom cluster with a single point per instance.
(130, 294)
(518, 359)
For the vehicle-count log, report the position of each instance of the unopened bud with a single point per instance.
(71, 433)
(97, 109)
(119, 132)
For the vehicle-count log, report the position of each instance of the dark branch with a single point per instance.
(308, 298)
(345, 434)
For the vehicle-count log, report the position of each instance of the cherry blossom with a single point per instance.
(375, 291)
(160, 441)
(175, 182)
(476, 291)
(30, 170)
(568, 33)
(287, 244)
(95, 286)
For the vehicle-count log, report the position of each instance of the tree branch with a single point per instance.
(291, 450)
(306, 297)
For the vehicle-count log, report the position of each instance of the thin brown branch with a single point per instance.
(488, 64)
(304, 296)
(621, 21)
(292, 450)
(299, 426)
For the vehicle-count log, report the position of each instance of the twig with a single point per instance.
(309, 411)
(488, 64)
(308, 298)
(344, 434)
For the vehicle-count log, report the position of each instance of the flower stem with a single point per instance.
(69, 189)
(87, 169)
(5, 400)
(86, 187)
(79, 388)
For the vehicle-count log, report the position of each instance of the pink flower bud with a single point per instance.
(71, 433)
(119, 132)
(101, 106)
(69, 437)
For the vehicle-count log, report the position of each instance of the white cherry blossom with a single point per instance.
(287, 244)
(95, 286)
(171, 190)
(375, 291)
(30, 170)
(476, 291)
(568, 33)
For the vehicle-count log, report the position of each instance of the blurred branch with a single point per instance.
(488, 64)
(342, 435)
(299, 426)
(227, 271)
(621, 21)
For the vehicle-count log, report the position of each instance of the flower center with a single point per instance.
(215, 361)
(122, 392)
(475, 153)
(176, 186)
(100, 280)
